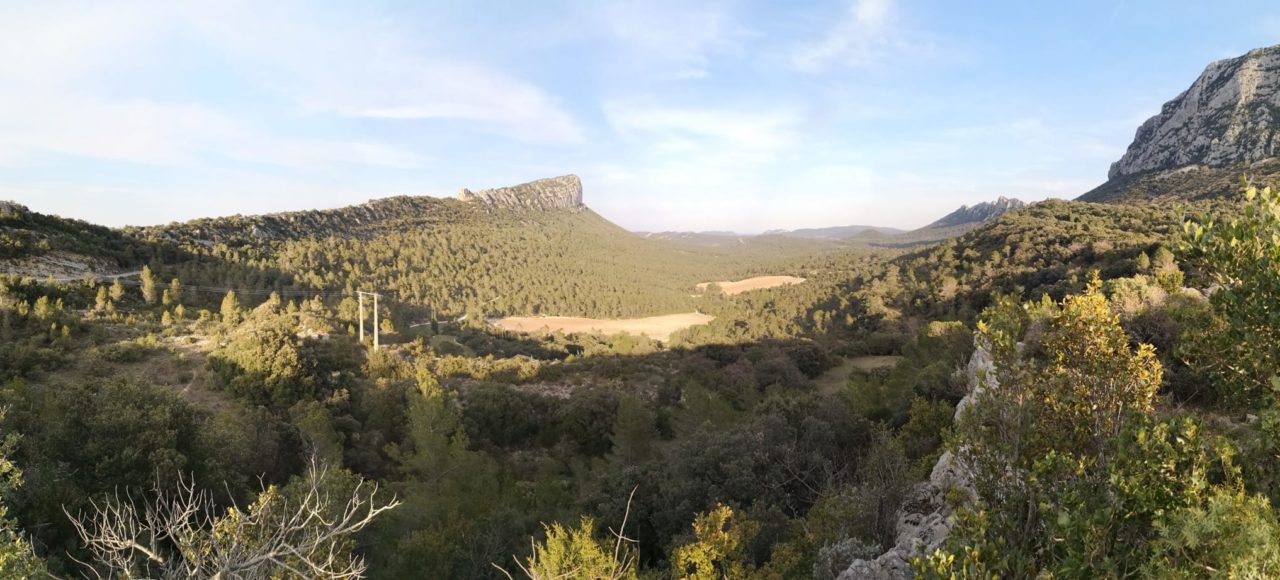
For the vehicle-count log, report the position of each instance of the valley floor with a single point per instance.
(755, 283)
(655, 327)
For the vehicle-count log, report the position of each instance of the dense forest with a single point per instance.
(217, 415)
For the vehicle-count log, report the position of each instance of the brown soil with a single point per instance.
(655, 327)
(756, 283)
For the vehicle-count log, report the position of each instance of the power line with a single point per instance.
(251, 291)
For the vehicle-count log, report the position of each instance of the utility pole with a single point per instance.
(375, 317)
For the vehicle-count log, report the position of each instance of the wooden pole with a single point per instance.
(375, 322)
(361, 295)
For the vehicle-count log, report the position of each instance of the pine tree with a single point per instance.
(148, 286)
(230, 308)
(117, 290)
(175, 290)
(100, 303)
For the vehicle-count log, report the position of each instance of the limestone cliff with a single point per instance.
(979, 213)
(1229, 116)
(554, 193)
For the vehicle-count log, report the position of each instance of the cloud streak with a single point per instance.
(865, 36)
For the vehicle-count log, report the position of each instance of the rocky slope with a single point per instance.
(554, 193)
(352, 221)
(374, 217)
(983, 212)
(1189, 183)
(1229, 116)
(927, 514)
(952, 225)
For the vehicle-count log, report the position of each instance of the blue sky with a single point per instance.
(728, 115)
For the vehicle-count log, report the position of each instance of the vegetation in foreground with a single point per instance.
(1135, 416)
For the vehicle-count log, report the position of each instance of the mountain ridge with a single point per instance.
(1224, 126)
(547, 194)
(978, 213)
(1229, 115)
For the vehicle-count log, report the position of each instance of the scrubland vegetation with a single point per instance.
(165, 429)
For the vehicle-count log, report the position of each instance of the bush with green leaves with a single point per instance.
(1076, 476)
(1242, 346)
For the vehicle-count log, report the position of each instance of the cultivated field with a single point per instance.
(655, 327)
(756, 283)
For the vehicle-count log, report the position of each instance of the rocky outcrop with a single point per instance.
(1229, 116)
(372, 218)
(927, 514)
(554, 193)
(357, 221)
(983, 212)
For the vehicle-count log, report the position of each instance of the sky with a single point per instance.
(677, 115)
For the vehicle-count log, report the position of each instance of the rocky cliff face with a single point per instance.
(355, 221)
(927, 514)
(1229, 116)
(985, 211)
(555, 193)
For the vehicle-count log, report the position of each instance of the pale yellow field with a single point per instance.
(836, 379)
(655, 327)
(870, 363)
(756, 283)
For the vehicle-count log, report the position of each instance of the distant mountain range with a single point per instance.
(835, 233)
(949, 226)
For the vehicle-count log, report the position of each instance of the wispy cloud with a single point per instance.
(866, 35)
(678, 38)
(757, 129)
(414, 90)
(60, 93)
(172, 134)
(375, 69)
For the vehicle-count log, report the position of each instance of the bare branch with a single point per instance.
(180, 533)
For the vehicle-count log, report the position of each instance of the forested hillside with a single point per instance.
(778, 424)
(1069, 389)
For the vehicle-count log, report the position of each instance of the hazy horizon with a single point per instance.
(735, 116)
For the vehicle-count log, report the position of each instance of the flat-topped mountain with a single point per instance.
(351, 221)
(553, 193)
(1227, 117)
(835, 232)
(378, 215)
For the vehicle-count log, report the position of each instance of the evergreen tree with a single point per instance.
(175, 290)
(100, 303)
(230, 308)
(148, 286)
